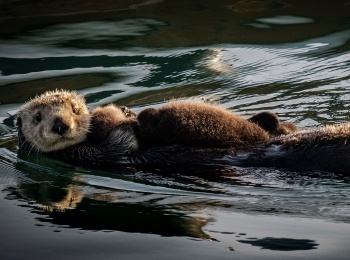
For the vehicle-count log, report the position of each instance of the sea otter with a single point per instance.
(325, 149)
(59, 119)
(57, 124)
(270, 122)
(200, 124)
(53, 121)
(105, 120)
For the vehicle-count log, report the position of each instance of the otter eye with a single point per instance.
(75, 110)
(37, 118)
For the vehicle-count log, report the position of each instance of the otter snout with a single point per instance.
(59, 126)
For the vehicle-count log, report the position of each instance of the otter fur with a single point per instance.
(59, 119)
(105, 120)
(58, 123)
(270, 122)
(53, 121)
(194, 123)
(324, 149)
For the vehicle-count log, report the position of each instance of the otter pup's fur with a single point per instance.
(194, 123)
(270, 122)
(191, 123)
(105, 120)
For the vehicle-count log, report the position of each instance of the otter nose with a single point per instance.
(59, 127)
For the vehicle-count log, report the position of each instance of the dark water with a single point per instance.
(291, 57)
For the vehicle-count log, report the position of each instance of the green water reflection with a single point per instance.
(289, 56)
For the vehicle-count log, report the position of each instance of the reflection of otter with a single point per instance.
(282, 244)
(67, 201)
(91, 214)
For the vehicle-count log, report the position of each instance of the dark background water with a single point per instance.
(288, 56)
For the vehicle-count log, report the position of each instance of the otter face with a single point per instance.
(54, 120)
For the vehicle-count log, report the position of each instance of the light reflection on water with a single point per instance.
(291, 79)
(304, 82)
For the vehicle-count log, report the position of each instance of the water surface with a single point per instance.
(291, 57)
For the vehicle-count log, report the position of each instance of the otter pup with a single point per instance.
(270, 122)
(105, 120)
(189, 123)
(201, 124)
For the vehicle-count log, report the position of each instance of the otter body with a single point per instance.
(270, 122)
(60, 125)
(105, 120)
(325, 149)
(199, 124)
(60, 119)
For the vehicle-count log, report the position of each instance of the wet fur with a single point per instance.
(35, 121)
(270, 122)
(190, 123)
(201, 124)
(310, 139)
(105, 120)
(113, 127)
(324, 149)
(180, 132)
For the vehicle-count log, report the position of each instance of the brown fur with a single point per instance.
(286, 128)
(106, 119)
(313, 138)
(197, 124)
(53, 121)
(59, 119)
(270, 122)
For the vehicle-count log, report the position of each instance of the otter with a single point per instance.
(325, 149)
(194, 123)
(57, 120)
(105, 120)
(57, 124)
(53, 121)
(270, 122)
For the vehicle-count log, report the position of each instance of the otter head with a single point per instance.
(53, 121)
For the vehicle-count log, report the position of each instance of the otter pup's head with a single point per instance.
(53, 121)
(270, 122)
